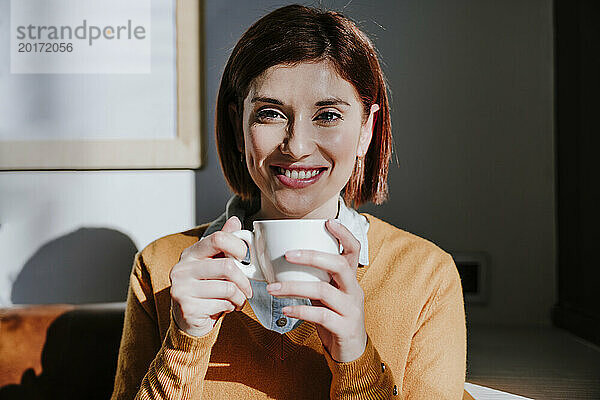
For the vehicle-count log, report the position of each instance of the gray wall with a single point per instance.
(472, 111)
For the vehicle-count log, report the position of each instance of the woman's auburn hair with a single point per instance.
(291, 35)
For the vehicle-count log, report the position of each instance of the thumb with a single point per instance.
(232, 224)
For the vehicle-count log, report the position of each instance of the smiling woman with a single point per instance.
(302, 128)
(296, 119)
(316, 66)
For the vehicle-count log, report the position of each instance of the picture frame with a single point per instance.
(181, 151)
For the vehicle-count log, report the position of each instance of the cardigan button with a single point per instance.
(395, 390)
(382, 367)
(281, 322)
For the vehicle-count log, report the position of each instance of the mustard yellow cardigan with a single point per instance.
(414, 318)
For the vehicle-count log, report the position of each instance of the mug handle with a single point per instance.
(252, 270)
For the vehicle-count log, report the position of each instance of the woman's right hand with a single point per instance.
(204, 284)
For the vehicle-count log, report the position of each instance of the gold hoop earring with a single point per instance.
(360, 171)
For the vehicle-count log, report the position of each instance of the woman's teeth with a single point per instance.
(295, 174)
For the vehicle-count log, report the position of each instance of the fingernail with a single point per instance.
(334, 223)
(292, 253)
(274, 286)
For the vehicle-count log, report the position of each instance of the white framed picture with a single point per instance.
(90, 84)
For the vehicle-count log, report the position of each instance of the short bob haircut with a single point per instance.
(291, 35)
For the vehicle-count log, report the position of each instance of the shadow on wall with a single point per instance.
(89, 265)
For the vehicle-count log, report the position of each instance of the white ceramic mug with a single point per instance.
(270, 240)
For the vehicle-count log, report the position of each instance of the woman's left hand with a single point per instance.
(337, 306)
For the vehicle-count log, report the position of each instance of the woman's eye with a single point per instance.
(328, 117)
(268, 115)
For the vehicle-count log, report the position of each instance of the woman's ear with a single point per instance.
(366, 132)
(234, 118)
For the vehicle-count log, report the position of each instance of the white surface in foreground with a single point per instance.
(484, 393)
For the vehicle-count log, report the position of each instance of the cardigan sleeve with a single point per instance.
(149, 369)
(364, 378)
(436, 363)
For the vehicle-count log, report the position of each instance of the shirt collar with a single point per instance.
(347, 216)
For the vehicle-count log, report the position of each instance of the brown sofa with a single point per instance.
(59, 351)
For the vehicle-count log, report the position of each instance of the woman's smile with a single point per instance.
(297, 178)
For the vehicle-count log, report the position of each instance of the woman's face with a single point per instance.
(298, 121)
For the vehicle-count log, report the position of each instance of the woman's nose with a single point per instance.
(299, 140)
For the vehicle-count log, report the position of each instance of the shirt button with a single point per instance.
(281, 322)
(395, 391)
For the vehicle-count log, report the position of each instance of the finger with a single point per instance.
(347, 239)
(232, 224)
(328, 295)
(318, 315)
(335, 264)
(203, 308)
(215, 243)
(216, 268)
(216, 289)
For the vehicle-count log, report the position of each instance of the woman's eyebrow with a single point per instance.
(331, 101)
(266, 100)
